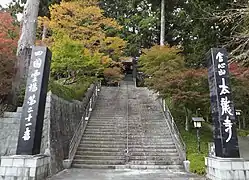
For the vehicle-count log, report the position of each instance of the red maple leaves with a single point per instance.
(8, 46)
(8, 34)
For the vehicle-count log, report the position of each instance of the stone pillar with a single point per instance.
(22, 167)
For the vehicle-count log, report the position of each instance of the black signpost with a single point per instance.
(223, 112)
(30, 133)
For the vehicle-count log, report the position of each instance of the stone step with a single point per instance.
(151, 162)
(105, 116)
(149, 137)
(94, 149)
(104, 123)
(12, 115)
(152, 150)
(102, 145)
(173, 167)
(152, 146)
(97, 126)
(124, 141)
(105, 138)
(121, 136)
(147, 123)
(156, 131)
(169, 152)
(165, 158)
(93, 166)
(89, 141)
(19, 109)
(107, 135)
(99, 157)
(142, 167)
(131, 149)
(124, 124)
(109, 121)
(99, 153)
(95, 133)
(106, 162)
(130, 142)
(106, 130)
(124, 118)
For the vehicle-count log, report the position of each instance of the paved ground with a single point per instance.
(122, 174)
(243, 147)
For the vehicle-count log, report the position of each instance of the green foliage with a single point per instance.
(113, 75)
(242, 132)
(160, 60)
(197, 161)
(74, 91)
(83, 40)
(62, 91)
(21, 95)
(186, 88)
(70, 59)
(140, 23)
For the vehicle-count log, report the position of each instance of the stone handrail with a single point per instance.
(127, 125)
(180, 145)
(75, 141)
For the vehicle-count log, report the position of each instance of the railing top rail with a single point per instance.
(174, 130)
(127, 121)
(175, 127)
(78, 127)
(79, 130)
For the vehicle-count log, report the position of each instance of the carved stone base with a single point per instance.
(24, 167)
(227, 168)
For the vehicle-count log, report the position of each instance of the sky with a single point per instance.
(4, 2)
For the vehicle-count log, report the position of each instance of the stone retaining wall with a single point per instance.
(61, 119)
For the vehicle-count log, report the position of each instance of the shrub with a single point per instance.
(75, 91)
(8, 45)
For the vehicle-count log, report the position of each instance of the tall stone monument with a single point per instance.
(223, 113)
(30, 133)
(226, 163)
(28, 163)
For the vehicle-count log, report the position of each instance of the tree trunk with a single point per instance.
(244, 122)
(44, 32)
(25, 43)
(29, 24)
(239, 122)
(186, 120)
(162, 38)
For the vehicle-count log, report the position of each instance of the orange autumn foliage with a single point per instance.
(8, 46)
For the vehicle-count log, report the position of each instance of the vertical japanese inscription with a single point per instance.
(30, 133)
(223, 114)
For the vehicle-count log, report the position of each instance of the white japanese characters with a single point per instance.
(32, 89)
(226, 110)
(224, 87)
(228, 124)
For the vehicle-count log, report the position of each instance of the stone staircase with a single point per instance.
(104, 141)
(127, 118)
(150, 141)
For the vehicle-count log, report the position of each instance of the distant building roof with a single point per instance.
(126, 59)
